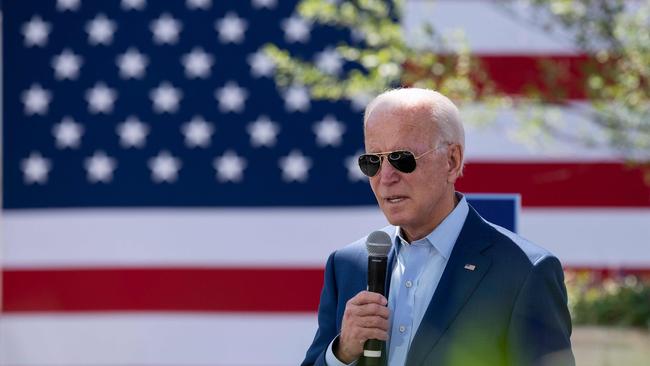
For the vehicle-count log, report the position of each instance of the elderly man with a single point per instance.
(462, 291)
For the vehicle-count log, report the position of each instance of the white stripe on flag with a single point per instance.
(282, 238)
(488, 27)
(155, 339)
(182, 236)
(497, 135)
(591, 237)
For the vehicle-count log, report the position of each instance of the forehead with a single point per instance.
(398, 126)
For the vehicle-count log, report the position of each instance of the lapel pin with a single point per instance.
(470, 267)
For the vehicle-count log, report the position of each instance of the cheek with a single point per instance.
(374, 183)
(423, 186)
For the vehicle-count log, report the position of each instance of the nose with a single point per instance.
(387, 172)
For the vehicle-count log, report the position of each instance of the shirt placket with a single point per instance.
(402, 325)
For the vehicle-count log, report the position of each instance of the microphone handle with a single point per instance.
(377, 274)
(376, 283)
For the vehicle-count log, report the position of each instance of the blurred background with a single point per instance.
(175, 173)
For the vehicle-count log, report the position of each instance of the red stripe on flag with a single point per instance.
(553, 78)
(603, 273)
(557, 77)
(162, 289)
(178, 289)
(561, 184)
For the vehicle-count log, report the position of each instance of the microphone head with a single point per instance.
(378, 244)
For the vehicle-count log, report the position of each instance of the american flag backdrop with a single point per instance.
(166, 203)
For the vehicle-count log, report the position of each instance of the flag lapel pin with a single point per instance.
(470, 267)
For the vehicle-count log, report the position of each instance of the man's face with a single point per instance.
(416, 201)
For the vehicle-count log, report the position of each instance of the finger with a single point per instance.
(367, 297)
(370, 310)
(374, 322)
(373, 333)
(361, 335)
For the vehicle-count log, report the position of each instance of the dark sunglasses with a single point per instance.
(402, 160)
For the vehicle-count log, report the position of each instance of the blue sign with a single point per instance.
(500, 209)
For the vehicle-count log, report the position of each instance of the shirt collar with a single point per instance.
(444, 236)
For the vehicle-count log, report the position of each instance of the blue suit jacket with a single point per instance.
(510, 310)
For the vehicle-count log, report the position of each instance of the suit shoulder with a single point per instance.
(357, 248)
(533, 253)
(353, 247)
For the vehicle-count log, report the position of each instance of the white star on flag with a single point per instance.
(164, 167)
(231, 28)
(66, 65)
(165, 29)
(35, 168)
(197, 63)
(197, 132)
(329, 61)
(268, 4)
(36, 32)
(198, 4)
(100, 98)
(132, 64)
(63, 5)
(132, 132)
(357, 35)
(295, 167)
(100, 30)
(67, 133)
(352, 164)
(36, 100)
(165, 98)
(133, 4)
(231, 97)
(329, 131)
(230, 167)
(296, 98)
(100, 167)
(263, 132)
(296, 29)
(261, 64)
(360, 101)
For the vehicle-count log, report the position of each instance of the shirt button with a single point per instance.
(408, 284)
(402, 329)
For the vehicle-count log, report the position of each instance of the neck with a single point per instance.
(411, 234)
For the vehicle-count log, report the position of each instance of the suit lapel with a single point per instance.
(456, 286)
(389, 268)
(390, 262)
(389, 275)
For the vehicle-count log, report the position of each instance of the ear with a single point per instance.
(454, 163)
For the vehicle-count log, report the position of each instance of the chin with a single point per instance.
(396, 219)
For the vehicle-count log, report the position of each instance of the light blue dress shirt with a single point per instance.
(416, 274)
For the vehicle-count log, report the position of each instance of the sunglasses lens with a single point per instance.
(404, 161)
(369, 164)
(374, 159)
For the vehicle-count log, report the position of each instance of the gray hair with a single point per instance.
(444, 113)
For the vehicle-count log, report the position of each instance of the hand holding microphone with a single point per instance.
(365, 320)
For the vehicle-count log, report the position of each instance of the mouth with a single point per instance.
(395, 199)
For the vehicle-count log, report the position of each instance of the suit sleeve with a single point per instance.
(540, 325)
(327, 329)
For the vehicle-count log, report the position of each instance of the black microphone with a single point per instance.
(378, 245)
